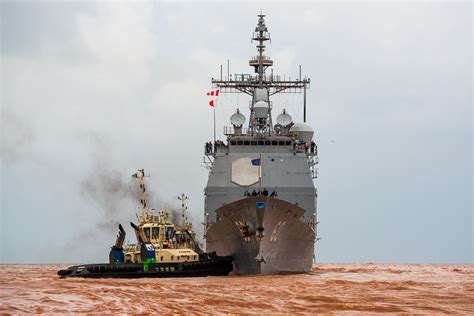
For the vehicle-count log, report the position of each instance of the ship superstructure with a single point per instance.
(260, 199)
(172, 243)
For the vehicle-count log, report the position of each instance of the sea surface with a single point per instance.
(329, 288)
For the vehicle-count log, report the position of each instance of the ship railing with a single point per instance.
(208, 160)
(232, 131)
(210, 149)
(268, 78)
(264, 57)
(313, 160)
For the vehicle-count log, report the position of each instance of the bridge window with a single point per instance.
(169, 232)
(146, 231)
(155, 232)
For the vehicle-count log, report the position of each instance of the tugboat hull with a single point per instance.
(219, 266)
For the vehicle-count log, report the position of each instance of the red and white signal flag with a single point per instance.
(214, 93)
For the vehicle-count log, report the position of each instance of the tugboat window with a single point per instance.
(232, 142)
(246, 142)
(168, 232)
(240, 143)
(260, 143)
(146, 230)
(267, 143)
(253, 143)
(155, 232)
(274, 143)
(288, 143)
(281, 143)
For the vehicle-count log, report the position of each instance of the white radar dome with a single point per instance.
(303, 132)
(260, 108)
(237, 119)
(284, 119)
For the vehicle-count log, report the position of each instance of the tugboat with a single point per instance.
(162, 250)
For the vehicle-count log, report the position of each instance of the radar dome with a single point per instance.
(303, 132)
(237, 119)
(260, 109)
(284, 119)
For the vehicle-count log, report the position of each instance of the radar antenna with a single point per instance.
(261, 86)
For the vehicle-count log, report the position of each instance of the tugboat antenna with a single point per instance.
(183, 198)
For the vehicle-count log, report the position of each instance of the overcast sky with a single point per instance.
(92, 91)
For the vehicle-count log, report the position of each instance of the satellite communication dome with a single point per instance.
(260, 108)
(303, 132)
(237, 119)
(284, 119)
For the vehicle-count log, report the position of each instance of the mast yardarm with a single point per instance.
(265, 84)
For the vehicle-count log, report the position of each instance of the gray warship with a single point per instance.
(260, 199)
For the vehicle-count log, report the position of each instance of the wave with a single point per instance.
(368, 288)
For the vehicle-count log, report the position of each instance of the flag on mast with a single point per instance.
(214, 93)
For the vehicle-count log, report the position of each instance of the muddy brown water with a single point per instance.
(329, 288)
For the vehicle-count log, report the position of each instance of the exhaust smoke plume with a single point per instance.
(108, 190)
(17, 134)
(115, 192)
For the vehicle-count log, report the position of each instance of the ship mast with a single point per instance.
(184, 220)
(262, 86)
(261, 62)
(140, 175)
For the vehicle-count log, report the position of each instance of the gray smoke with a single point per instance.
(114, 192)
(105, 187)
(108, 190)
(17, 135)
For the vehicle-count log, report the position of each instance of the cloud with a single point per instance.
(121, 44)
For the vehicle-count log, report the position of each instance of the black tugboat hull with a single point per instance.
(220, 266)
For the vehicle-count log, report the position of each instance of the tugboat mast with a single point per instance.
(184, 220)
(141, 176)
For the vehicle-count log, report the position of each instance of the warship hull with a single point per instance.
(264, 235)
